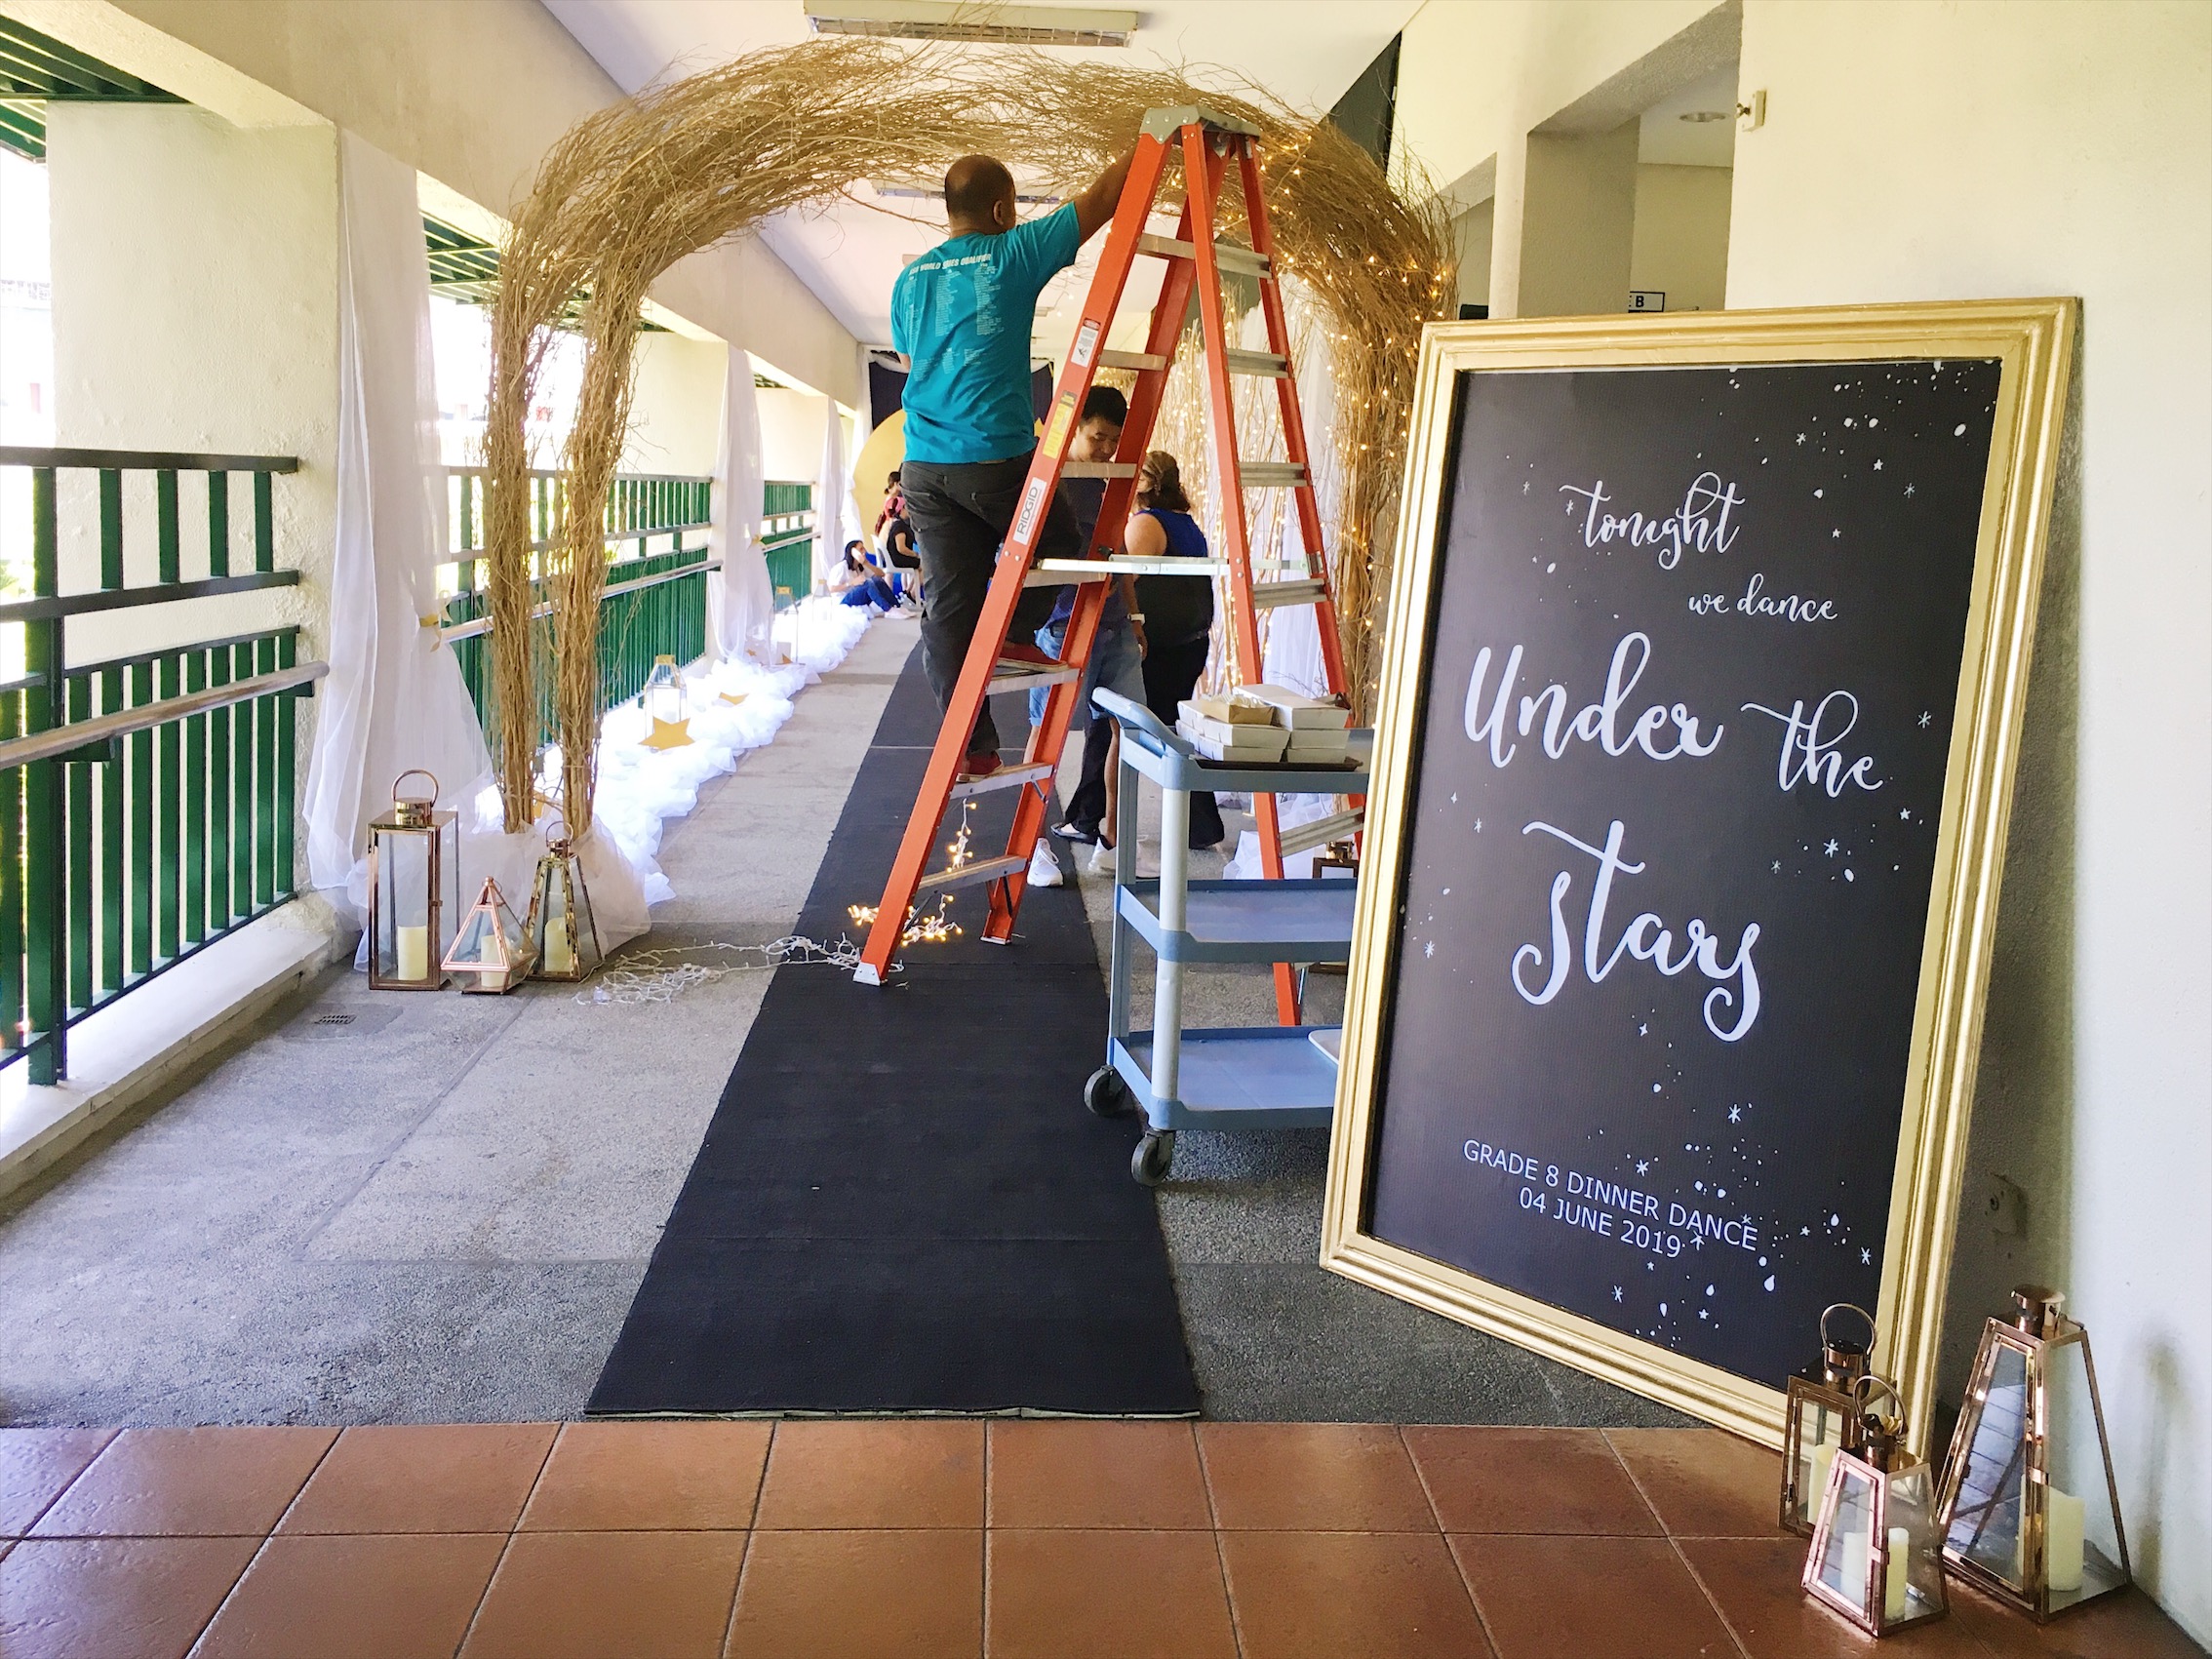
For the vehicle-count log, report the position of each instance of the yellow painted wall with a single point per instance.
(676, 406)
(1681, 235)
(791, 434)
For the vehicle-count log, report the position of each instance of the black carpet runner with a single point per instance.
(901, 1204)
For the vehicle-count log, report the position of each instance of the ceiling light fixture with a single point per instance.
(994, 24)
(1701, 116)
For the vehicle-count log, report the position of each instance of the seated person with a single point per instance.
(859, 584)
(1177, 612)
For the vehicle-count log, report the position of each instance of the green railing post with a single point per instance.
(288, 729)
(219, 524)
(108, 779)
(169, 563)
(245, 721)
(142, 786)
(12, 886)
(264, 523)
(169, 866)
(219, 907)
(195, 859)
(45, 861)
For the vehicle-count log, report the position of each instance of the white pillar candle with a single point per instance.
(559, 958)
(1852, 1551)
(412, 949)
(2062, 1540)
(1900, 1564)
(1808, 1501)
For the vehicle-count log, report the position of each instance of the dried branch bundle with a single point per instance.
(632, 189)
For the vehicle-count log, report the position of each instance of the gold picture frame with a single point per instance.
(2032, 342)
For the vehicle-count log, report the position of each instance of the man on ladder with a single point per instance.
(1209, 146)
(962, 316)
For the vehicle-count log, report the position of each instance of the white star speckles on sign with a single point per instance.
(1833, 848)
(1735, 1114)
(1643, 1165)
(1524, 487)
(1925, 718)
(1477, 831)
(1878, 466)
(1908, 489)
(1866, 1258)
(1643, 1031)
(1801, 437)
(1836, 535)
(1905, 814)
(1616, 1292)
(1429, 949)
(1777, 866)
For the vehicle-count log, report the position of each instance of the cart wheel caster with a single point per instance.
(1149, 1162)
(1106, 1094)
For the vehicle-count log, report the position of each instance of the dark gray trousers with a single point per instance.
(960, 513)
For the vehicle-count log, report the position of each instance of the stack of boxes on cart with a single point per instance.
(1262, 725)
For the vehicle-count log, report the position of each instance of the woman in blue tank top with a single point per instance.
(1174, 614)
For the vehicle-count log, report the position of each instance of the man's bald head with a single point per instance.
(979, 196)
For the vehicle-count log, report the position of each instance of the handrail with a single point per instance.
(56, 605)
(144, 461)
(479, 471)
(483, 624)
(61, 740)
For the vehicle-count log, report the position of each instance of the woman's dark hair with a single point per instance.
(895, 475)
(852, 561)
(1160, 483)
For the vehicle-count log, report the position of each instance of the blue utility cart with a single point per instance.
(1268, 1076)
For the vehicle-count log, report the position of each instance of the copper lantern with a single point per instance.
(414, 854)
(562, 928)
(1877, 1555)
(2030, 1510)
(1822, 1419)
(492, 951)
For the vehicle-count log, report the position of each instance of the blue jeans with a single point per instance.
(1114, 663)
(873, 591)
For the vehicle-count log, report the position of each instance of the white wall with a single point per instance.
(1471, 234)
(1681, 235)
(1984, 148)
(791, 434)
(1975, 149)
(675, 405)
(234, 350)
(472, 92)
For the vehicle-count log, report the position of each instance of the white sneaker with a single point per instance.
(1101, 857)
(1044, 868)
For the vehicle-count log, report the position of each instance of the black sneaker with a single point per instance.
(1072, 831)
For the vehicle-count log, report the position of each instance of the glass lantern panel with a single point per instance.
(1822, 1438)
(1985, 1527)
(1914, 1584)
(1843, 1565)
(557, 952)
(480, 941)
(405, 949)
(2081, 1541)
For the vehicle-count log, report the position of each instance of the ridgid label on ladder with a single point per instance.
(1032, 503)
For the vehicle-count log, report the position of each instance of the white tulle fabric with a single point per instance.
(837, 520)
(394, 698)
(740, 597)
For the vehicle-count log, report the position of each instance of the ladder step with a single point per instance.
(1227, 254)
(1098, 469)
(1267, 596)
(1138, 360)
(1272, 363)
(1021, 676)
(969, 874)
(1304, 837)
(1006, 777)
(1270, 475)
(1052, 573)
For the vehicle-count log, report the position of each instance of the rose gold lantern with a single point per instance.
(1822, 1418)
(2030, 1510)
(414, 852)
(492, 952)
(1877, 1555)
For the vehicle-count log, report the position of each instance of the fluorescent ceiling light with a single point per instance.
(998, 24)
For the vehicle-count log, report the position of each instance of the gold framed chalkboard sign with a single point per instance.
(1702, 692)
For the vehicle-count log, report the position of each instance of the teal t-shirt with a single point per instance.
(962, 314)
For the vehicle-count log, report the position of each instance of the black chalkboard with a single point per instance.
(1750, 587)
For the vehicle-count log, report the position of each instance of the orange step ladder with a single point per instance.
(1208, 144)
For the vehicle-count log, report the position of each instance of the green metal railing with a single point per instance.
(787, 538)
(655, 599)
(146, 801)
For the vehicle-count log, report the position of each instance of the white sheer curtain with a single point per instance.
(394, 699)
(835, 518)
(741, 598)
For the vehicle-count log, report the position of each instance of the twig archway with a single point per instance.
(635, 187)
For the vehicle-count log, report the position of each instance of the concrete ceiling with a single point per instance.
(851, 254)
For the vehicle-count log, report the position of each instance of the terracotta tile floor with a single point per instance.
(921, 1539)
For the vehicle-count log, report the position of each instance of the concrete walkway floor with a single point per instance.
(437, 1208)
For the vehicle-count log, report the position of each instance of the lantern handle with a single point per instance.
(554, 815)
(1867, 1386)
(417, 772)
(1847, 1308)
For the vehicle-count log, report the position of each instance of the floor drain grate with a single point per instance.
(332, 1020)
